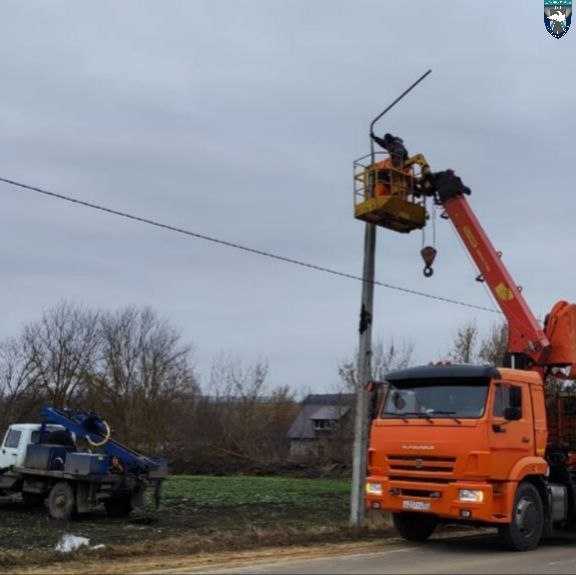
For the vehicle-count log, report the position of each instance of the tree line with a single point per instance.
(133, 368)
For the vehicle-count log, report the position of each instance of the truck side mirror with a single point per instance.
(513, 413)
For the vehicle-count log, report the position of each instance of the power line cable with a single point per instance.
(237, 246)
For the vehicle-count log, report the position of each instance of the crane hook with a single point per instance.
(428, 254)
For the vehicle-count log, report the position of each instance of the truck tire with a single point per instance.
(32, 499)
(413, 526)
(61, 501)
(525, 530)
(118, 506)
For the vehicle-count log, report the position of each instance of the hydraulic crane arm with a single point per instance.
(400, 206)
(89, 425)
(529, 346)
(525, 336)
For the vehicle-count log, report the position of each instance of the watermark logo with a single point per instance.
(557, 16)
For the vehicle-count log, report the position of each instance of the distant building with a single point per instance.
(322, 422)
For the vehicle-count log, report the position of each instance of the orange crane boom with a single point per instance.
(529, 345)
(526, 338)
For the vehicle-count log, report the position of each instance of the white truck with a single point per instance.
(44, 463)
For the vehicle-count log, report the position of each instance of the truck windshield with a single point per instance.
(434, 398)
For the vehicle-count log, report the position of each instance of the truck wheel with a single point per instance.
(32, 499)
(61, 501)
(413, 526)
(118, 506)
(525, 530)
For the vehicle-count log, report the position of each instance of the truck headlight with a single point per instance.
(374, 488)
(471, 495)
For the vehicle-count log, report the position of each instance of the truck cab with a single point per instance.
(17, 439)
(453, 443)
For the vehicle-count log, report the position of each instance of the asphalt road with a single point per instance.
(479, 554)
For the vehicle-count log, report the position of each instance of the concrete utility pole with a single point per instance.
(364, 375)
(364, 368)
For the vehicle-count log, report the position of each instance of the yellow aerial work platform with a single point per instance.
(385, 195)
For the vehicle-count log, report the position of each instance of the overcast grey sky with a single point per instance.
(241, 119)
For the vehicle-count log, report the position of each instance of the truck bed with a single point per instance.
(63, 475)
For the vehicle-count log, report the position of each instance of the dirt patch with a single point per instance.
(203, 561)
(200, 551)
(180, 563)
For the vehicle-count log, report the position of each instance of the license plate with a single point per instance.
(417, 505)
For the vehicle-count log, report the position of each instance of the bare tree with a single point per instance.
(60, 351)
(237, 390)
(494, 344)
(464, 348)
(471, 346)
(241, 417)
(17, 391)
(386, 357)
(229, 377)
(143, 372)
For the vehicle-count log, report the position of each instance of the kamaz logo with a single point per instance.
(422, 447)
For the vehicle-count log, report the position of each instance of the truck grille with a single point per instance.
(421, 493)
(425, 464)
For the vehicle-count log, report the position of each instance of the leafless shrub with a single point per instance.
(240, 417)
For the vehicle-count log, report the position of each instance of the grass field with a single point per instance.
(205, 509)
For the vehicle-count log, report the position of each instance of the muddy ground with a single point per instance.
(198, 514)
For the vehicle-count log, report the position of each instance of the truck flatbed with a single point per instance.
(62, 475)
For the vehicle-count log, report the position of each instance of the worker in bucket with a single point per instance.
(398, 155)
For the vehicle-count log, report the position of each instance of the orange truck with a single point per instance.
(479, 445)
